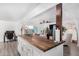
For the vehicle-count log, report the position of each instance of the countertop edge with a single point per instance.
(43, 49)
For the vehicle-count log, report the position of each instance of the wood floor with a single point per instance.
(10, 49)
(74, 49)
(71, 50)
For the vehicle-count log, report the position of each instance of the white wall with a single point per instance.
(8, 25)
(49, 15)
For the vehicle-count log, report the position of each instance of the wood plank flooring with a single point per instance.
(8, 49)
(71, 50)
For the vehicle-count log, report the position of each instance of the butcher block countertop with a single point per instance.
(41, 42)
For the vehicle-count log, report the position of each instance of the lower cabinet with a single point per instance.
(57, 51)
(23, 48)
(26, 49)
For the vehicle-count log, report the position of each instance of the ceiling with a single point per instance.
(13, 11)
(48, 15)
(22, 11)
(70, 12)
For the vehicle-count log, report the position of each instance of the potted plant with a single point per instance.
(63, 30)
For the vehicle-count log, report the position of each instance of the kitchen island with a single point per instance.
(38, 46)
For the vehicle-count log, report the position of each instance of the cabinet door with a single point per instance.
(19, 44)
(27, 49)
(24, 48)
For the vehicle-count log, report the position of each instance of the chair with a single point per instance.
(10, 35)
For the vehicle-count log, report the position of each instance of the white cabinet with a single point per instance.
(23, 48)
(27, 49)
(57, 51)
